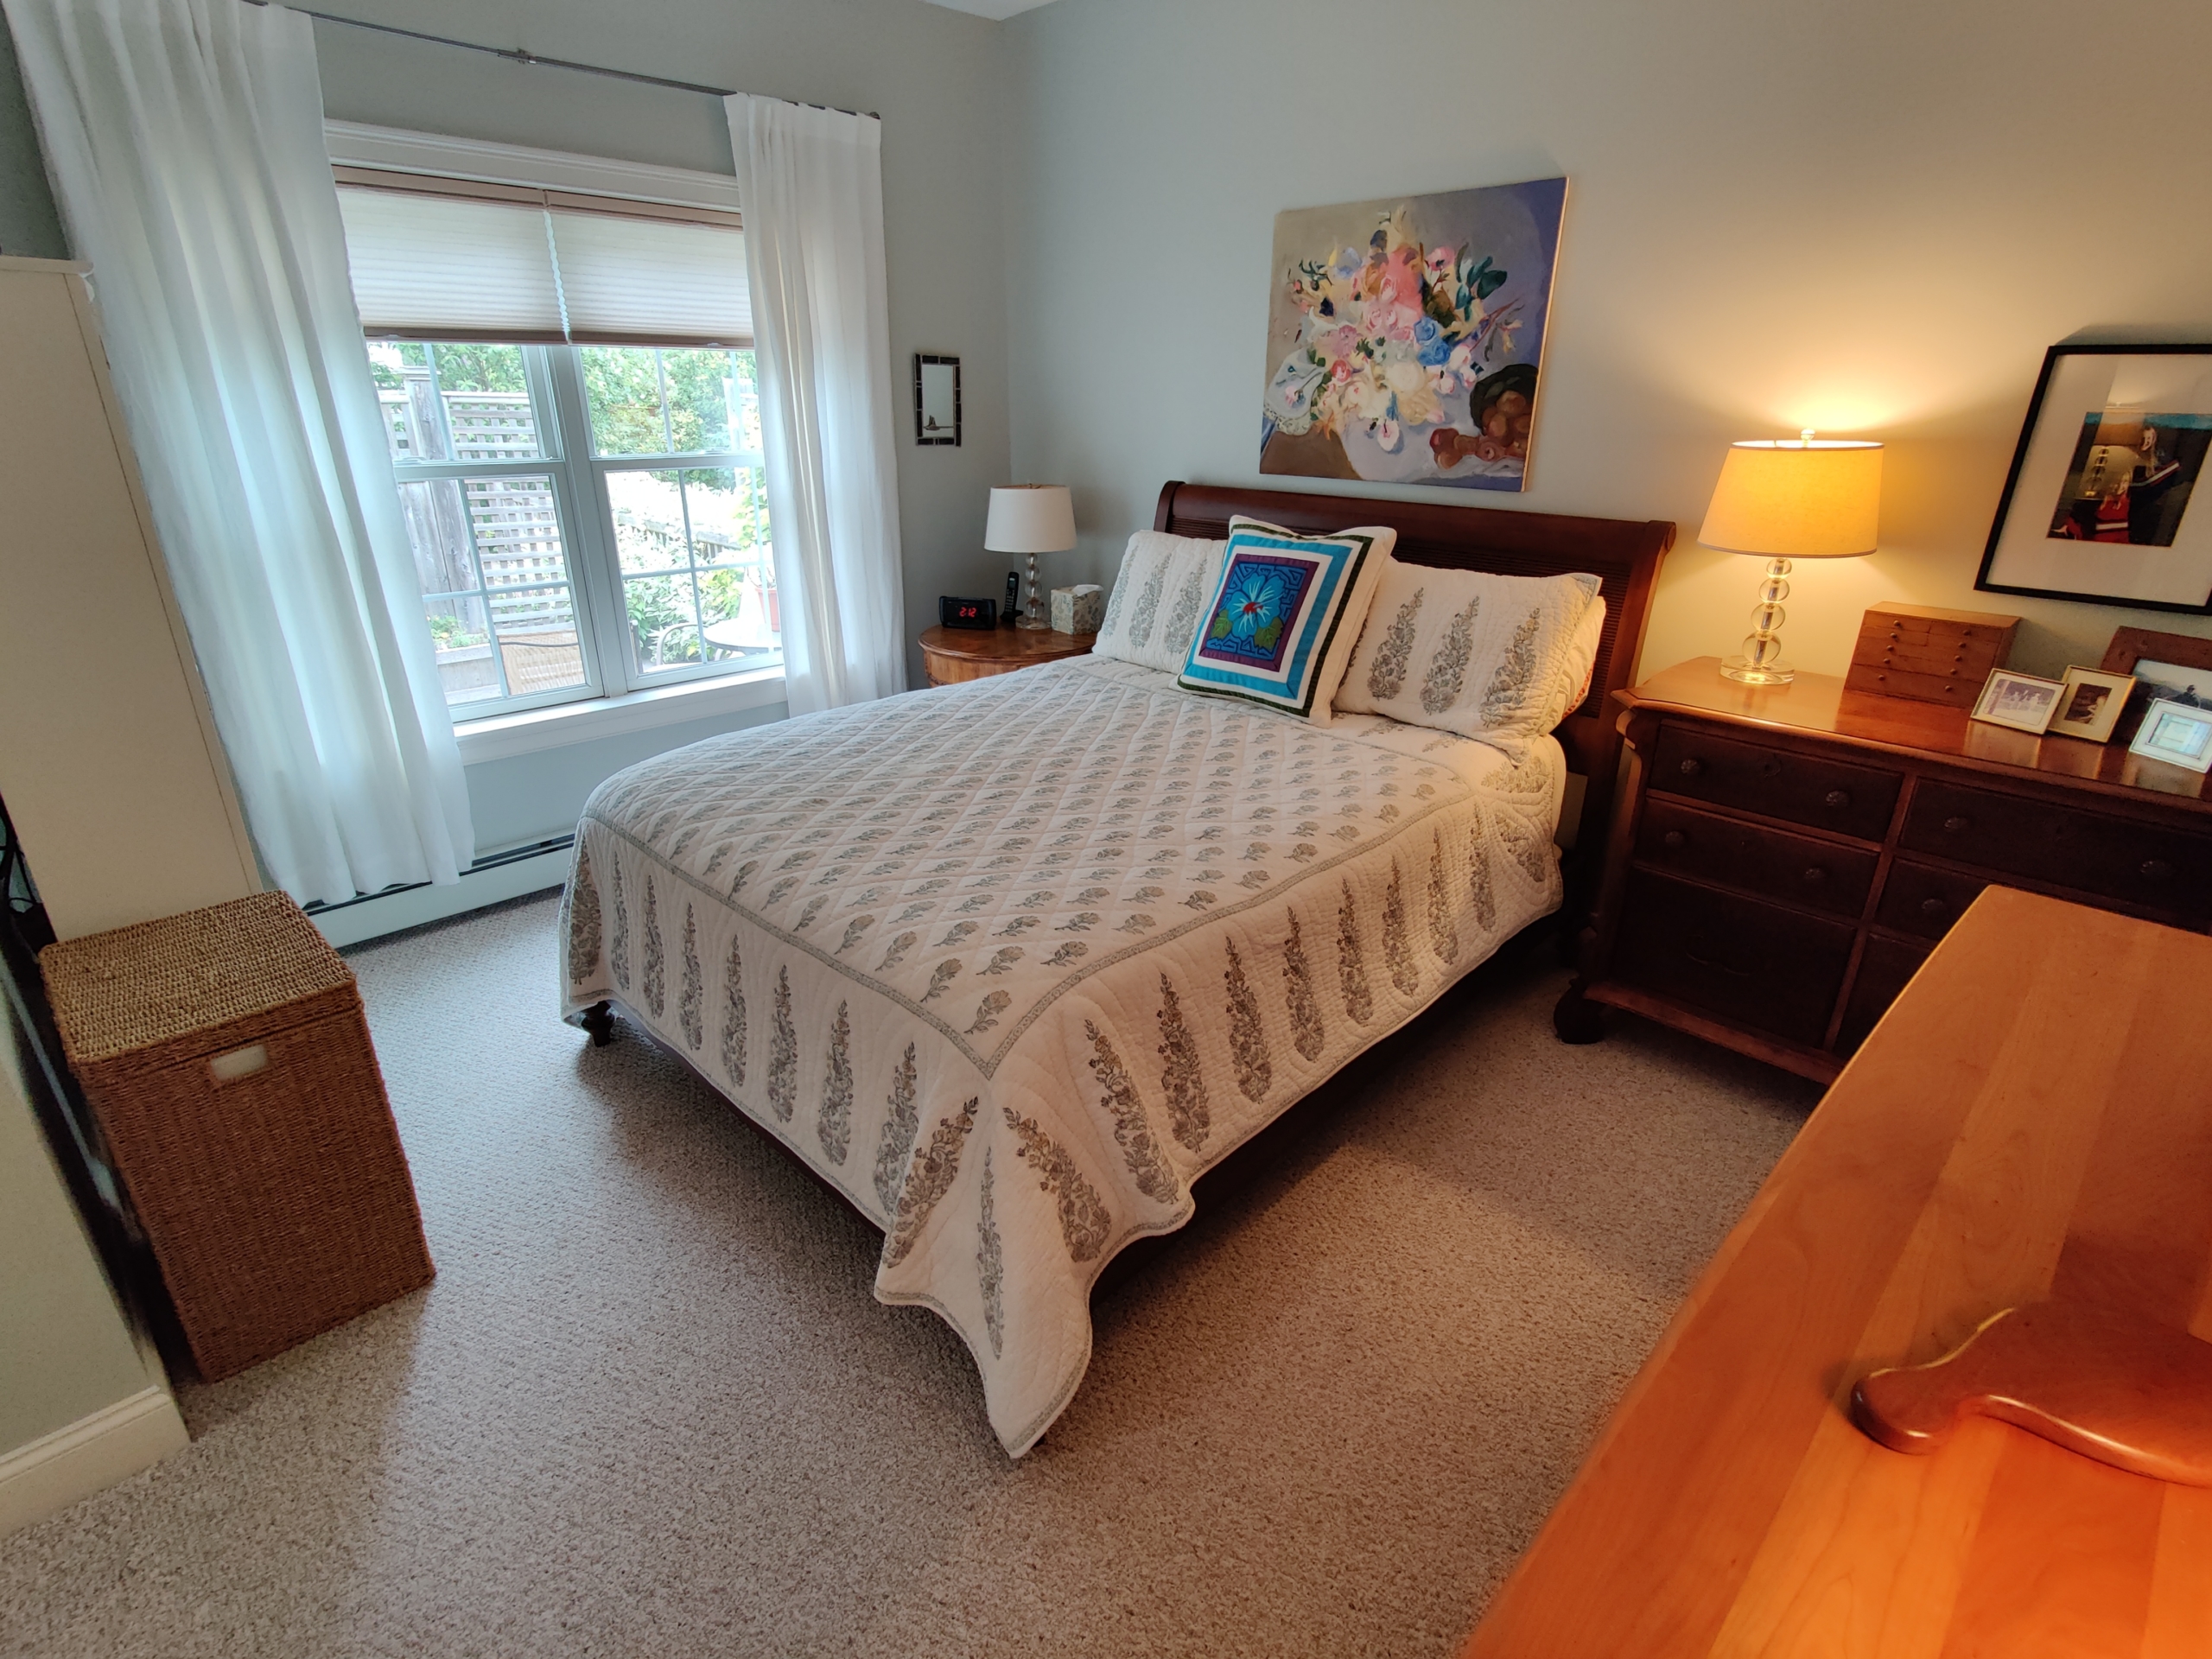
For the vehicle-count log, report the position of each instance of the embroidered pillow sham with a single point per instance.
(1285, 614)
(1152, 613)
(1485, 656)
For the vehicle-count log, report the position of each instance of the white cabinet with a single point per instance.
(109, 762)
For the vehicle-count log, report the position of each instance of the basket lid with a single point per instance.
(151, 983)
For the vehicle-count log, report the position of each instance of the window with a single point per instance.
(581, 480)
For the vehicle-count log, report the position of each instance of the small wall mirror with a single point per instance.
(937, 399)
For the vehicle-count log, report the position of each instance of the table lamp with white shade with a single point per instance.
(1031, 519)
(1785, 499)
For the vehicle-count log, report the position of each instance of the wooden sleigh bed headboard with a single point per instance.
(1623, 554)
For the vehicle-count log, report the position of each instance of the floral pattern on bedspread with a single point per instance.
(1099, 928)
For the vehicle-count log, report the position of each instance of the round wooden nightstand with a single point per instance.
(951, 655)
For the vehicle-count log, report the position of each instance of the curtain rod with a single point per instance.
(515, 55)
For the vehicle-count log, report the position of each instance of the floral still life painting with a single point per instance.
(1405, 336)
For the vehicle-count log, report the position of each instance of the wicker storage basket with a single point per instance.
(226, 1057)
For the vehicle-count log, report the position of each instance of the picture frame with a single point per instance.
(2177, 734)
(2097, 506)
(2024, 702)
(936, 401)
(2091, 703)
(2175, 666)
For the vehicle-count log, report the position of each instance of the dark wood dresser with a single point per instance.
(1784, 857)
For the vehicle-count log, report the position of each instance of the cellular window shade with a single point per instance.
(642, 279)
(450, 267)
(434, 258)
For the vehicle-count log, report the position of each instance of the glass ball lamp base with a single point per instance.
(1751, 673)
(1761, 663)
(1033, 610)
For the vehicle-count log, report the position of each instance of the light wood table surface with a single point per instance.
(2033, 1117)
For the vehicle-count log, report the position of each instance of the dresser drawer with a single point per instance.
(1918, 899)
(1754, 963)
(1884, 968)
(2168, 871)
(1754, 857)
(1777, 782)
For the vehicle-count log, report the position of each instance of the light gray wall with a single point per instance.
(28, 224)
(1867, 216)
(65, 1349)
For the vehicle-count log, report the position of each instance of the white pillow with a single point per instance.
(1582, 656)
(1152, 613)
(1470, 651)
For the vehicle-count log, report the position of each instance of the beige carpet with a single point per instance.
(649, 1407)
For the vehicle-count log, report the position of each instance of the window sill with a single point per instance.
(504, 736)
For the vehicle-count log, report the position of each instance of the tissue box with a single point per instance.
(1078, 609)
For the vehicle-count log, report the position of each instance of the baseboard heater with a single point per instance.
(489, 861)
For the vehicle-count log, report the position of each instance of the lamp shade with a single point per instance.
(1030, 518)
(1797, 500)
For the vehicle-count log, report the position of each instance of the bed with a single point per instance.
(1009, 964)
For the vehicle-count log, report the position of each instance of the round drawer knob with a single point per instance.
(1933, 907)
(1814, 875)
(1672, 839)
(1691, 765)
(1957, 825)
(1770, 767)
(2154, 869)
(1837, 798)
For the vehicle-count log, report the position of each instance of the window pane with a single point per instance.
(664, 622)
(537, 631)
(648, 521)
(462, 642)
(455, 401)
(728, 514)
(622, 386)
(702, 389)
(518, 529)
(437, 525)
(495, 578)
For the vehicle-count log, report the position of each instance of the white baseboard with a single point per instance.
(56, 1470)
(369, 918)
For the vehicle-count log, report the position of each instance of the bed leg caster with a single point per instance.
(1577, 1020)
(599, 1021)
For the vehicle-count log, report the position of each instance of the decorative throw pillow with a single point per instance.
(1284, 615)
(1468, 652)
(1154, 611)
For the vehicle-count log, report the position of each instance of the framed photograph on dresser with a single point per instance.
(2024, 702)
(2098, 503)
(2090, 708)
(2170, 667)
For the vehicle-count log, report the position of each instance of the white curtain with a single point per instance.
(184, 138)
(810, 185)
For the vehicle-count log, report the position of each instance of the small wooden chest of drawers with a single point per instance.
(1784, 857)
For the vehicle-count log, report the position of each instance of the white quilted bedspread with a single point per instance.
(1011, 963)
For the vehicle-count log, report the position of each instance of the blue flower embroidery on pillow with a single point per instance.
(1260, 598)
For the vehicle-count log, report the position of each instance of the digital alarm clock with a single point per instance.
(967, 613)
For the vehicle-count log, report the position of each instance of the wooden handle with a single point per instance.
(2110, 1385)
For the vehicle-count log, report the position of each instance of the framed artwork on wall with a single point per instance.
(1406, 336)
(2097, 504)
(936, 400)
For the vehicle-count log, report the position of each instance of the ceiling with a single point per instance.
(998, 9)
